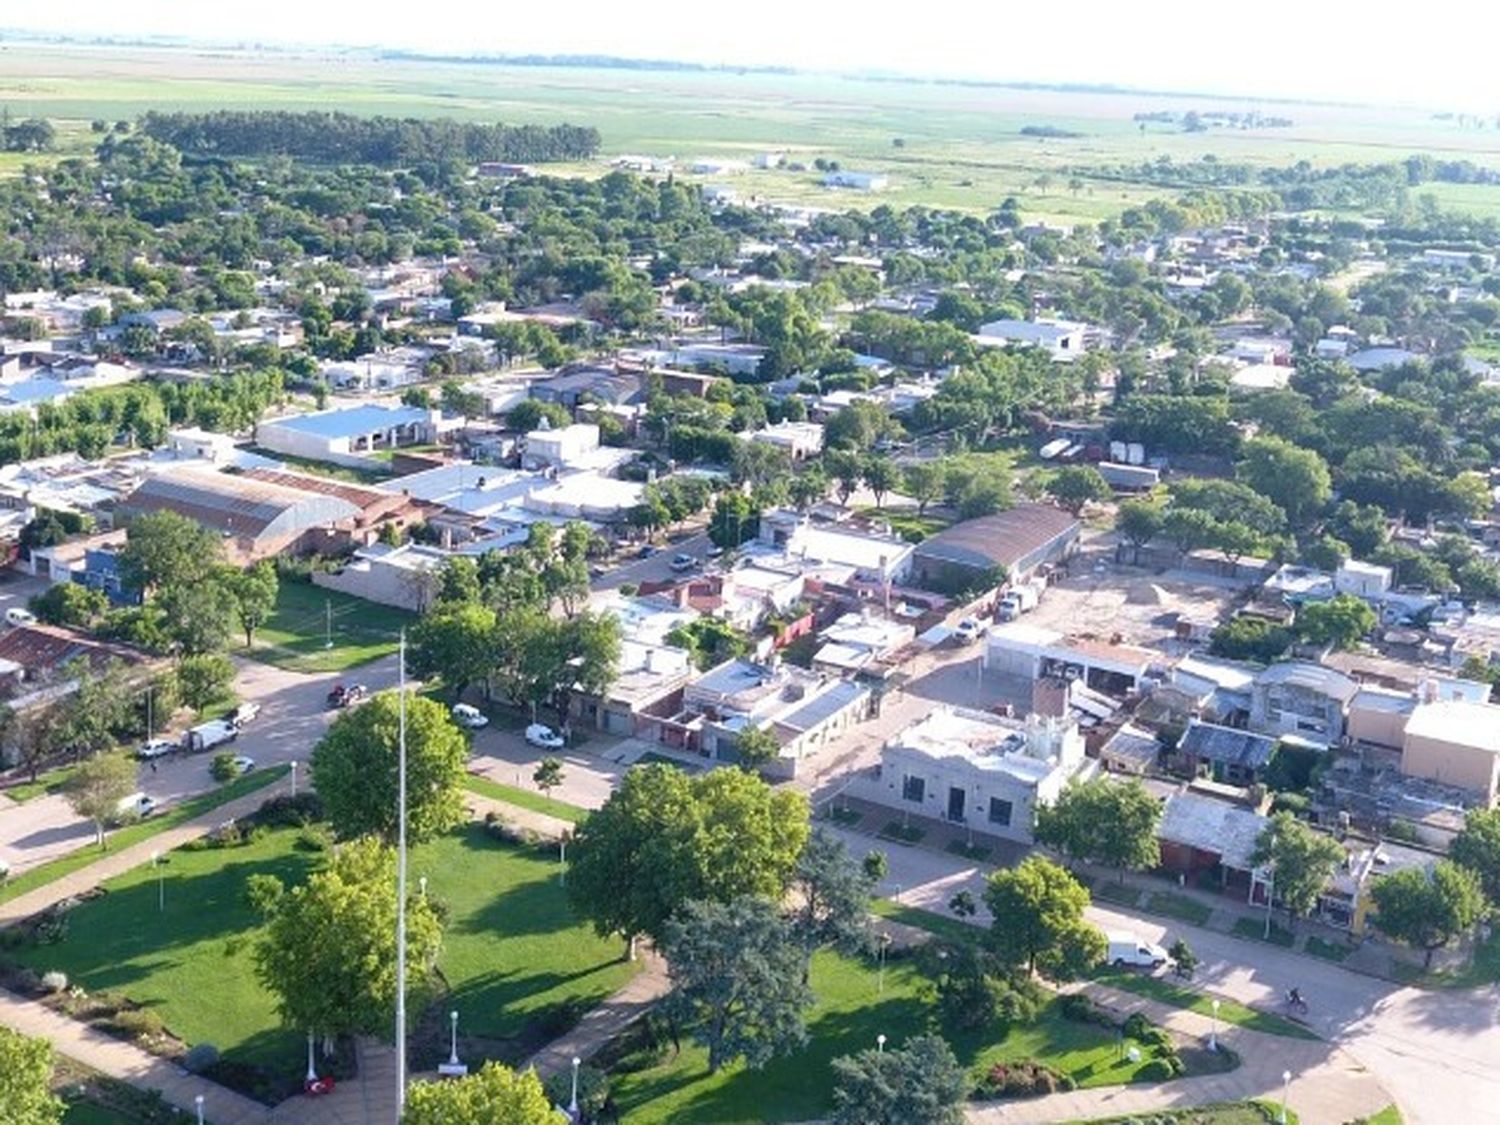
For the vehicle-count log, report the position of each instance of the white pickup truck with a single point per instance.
(1129, 950)
(205, 736)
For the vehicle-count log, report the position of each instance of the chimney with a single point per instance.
(650, 659)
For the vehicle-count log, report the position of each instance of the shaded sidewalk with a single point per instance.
(607, 1020)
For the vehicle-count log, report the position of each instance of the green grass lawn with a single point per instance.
(512, 949)
(1120, 894)
(45, 873)
(1228, 1113)
(1328, 950)
(1254, 929)
(525, 799)
(298, 631)
(942, 925)
(48, 781)
(1182, 907)
(851, 1009)
(91, 1113)
(1482, 969)
(1230, 1011)
(513, 946)
(1390, 1115)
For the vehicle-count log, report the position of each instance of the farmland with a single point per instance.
(959, 146)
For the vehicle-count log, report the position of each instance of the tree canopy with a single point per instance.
(26, 1096)
(1038, 923)
(1301, 859)
(1428, 909)
(918, 1083)
(1103, 821)
(492, 1095)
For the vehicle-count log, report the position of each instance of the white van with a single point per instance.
(136, 805)
(15, 615)
(205, 736)
(1129, 950)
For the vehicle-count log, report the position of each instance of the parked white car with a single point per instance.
(1128, 950)
(968, 630)
(156, 748)
(540, 734)
(244, 763)
(15, 615)
(470, 718)
(135, 805)
(244, 713)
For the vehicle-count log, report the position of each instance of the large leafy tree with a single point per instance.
(26, 1096)
(354, 768)
(328, 950)
(456, 641)
(1138, 522)
(204, 680)
(494, 1095)
(1341, 621)
(1301, 860)
(164, 550)
(921, 1083)
(1075, 486)
(1103, 821)
(737, 980)
(1428, 909)
(97, 786)
(1038, 920)
(664, 839)
(1477, 847)
(1296, 480)
(831, 897)
(254, 592)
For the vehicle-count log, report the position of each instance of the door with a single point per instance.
(955, 802)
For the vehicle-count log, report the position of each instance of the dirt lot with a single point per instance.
(1142, 605)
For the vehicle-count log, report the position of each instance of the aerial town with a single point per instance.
(485, 642)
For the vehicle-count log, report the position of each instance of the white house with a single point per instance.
(560, 447)
(860, 181)
(1060, 339)
(978, 770)
(800, 439)
(1364, 580)
(406, 577)
(346, 435)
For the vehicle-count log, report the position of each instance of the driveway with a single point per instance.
(17, 589)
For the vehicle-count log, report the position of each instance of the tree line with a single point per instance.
(347, 139)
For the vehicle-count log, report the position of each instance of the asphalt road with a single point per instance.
(657, 568)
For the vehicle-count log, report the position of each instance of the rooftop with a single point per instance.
(1227, 746)
(235, 504)
(1004, 539)
(1210, 825)
(1026, 750)
(1310, 677)
(1458, 721)
(352, 421)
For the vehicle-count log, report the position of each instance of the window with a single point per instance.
(914, 789)
(1000, 811)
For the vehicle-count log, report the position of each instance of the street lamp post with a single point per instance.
(294, 777)
(198, 1103)
(562, 859)
(1213, 1035)
(573, 1102)
(880, 1044)
(1286, 1084)
(422, 887)
(885, 940)
(312, 1071)
(453, 1041)
(161, 882)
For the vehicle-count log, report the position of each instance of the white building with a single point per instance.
(347, 434)
(406, 577)
(868, 557)
(1018, 648)
(1062, 340)
(561, 447)
(800, 439)
(859, 181)
(978, 770)
(858, 641)
(1364, 580)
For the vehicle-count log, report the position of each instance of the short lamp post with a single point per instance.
(294, 776)
(198, 1104)
(573, 1101)
(880, 1044)
(422, 887)
(312, 1071)
(1286, 1085)
(885, 941)
(1213, 1035)
(453, 1068)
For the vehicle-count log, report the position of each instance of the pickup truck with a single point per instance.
(1127, 950)
(205, 736)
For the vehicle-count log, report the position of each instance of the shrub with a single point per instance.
(593, 1089)
(54, 981)
(1079, 1008)
(1021, 1079)
(1136, 1025)
(311, 840)
(1157, 1070)
(200, 1058)
(284, 811)
(137, 1023)
(224, 767)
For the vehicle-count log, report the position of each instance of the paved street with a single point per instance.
(657, 568)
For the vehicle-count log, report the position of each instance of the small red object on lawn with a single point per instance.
(318, 1086)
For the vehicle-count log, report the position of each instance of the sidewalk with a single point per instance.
(110, 864)
(1328, 1086)
(547, 827)
(604, 1022)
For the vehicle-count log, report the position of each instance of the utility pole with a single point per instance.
(401, 889)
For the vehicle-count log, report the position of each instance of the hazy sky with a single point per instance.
(1438, 53)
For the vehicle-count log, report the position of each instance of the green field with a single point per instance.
(851, 1009)
(48, 781)
(1230, 1011)
(961, 145)
(511, 951)
(297, 635)
(525, 798)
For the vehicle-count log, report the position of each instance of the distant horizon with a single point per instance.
(1293, 52)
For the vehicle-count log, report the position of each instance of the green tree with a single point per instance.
(1250, 638)
(1076, 486)
(254, 592)
(807, 487)
(1302, 860)
(354, 768)
(70, 603)
(846, 469)
(328, 949)
(735, 519)
(1428, 909)
(1038, 908)
(1325, 553)
(97, 786)
(924, 482)
(198, 616)
(755, 748)
(456, 642)
(737, 980)
(548, 775)
(1104, 821)
(1138, 522)
(1477, 847)
(528, 415)
(881, 475)
(831, 897)
(664, 838)
(921, 1083)
(493, 1095)
(204, 679)
(1342, 621)
(165, 551)
(26, 1096)
(1294, 479)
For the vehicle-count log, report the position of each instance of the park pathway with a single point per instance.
(1328, 1086)
(604, 1022)
(110, 864)
(547, 827)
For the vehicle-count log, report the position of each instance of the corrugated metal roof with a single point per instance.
(1227, 745)
(1004, 538)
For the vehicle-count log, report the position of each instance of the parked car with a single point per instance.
(244, 763)
(540, 734)
(205, 736)
(135, 805)
(681, 563)
(646, 551)
(18, 616)
(346, 695)
(1127, 950)
(470, 718)
(968, 630)
(156, 748)
(244, 713)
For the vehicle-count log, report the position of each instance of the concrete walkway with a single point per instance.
(604, 1022)
(110, 864)
(1328, 1086)
(547, 827)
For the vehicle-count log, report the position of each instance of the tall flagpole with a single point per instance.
(401, 891)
